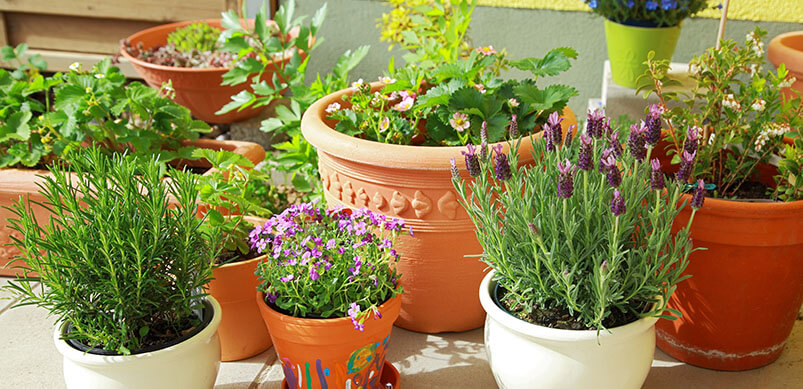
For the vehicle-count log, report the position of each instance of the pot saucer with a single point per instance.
(390, 378)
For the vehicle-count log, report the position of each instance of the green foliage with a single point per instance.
(737, 108)
(43, 117)
(573, 252)
(196, 36)
(647, 13)
(116, 259)
(790, 172)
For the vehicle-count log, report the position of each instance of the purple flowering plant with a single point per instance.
(733, 120)
(647, 13)
(328, 263)
(586, 228)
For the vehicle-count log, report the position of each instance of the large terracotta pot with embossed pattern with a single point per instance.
(413, 183)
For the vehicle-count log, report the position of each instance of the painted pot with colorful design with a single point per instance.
(330, 353)
(413, 183)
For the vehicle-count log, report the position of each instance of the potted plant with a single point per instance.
(787, 50)
(582, 255)
(735, 120)
(329, 293)
(123, 272)
(383, 146)
(46, 116)
(633, 28)
(205, 66)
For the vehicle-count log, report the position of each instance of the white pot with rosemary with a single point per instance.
(582, 255)
(122, 271)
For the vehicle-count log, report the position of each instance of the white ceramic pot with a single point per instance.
(193, 363)
(524, 355)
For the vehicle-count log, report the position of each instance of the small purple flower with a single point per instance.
(686, 165)
(377, 314)
(355, 270)
(614, 144)
(313, 273)
(692, 140)
(555, 130)
(453, 169)
(604, 156)
(653, 123)
(651, 5)
(287, 278)
(656, 175)
(472, 162)
(501, 165)
(594, 122)
(354, 313)
(698, 198)
(636, 141)
(514, 127)
(585, 155)
(565, 179)
(617, 203)
(567, 141)
(272, 298)
(614, 174)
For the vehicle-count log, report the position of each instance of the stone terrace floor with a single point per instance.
(28, 359)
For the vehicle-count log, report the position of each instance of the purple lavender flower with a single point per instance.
(453, 169)
(614, 174)
(514, 127)
(686, 166)
(550, 146)
(585, 155)
(653, 124)
(617, 203)
(472, 163)
(656, 176)
(594, 122)
(692, 140)
(606, 128)
(603, 268)
(556, 132)
(636, 141)
(567, 142)
(615, 145)
(698, 198)
(501, 165)
(604, 156)
(565, 179)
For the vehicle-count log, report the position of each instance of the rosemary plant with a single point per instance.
(585, 230)
(118, 262)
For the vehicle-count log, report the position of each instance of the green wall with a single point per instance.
(351, 23)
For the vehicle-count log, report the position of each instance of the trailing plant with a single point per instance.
(117, 262)
(328, 263)
(649, 13)
(583, 238)
(461, 102)
(43, 117)
(434, 32)
(735, 113)
(196, 36)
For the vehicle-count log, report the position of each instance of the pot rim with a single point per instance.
(389, 304)
(678, 26)
(148, 31)
(83, 358)
(748, 209)
(326, 139)
(777, 47)
(554, 334)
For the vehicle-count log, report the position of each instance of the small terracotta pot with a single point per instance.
(746, 288)
(16, 183)
(413, 183)
(787, 49)
(242, 331)
(200, 90)
(330, 353)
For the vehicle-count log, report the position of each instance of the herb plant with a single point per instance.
(735, 112)
(117, 261)
(43, 117)
(649, 13)
(328, 263)
(196, 36)
(585, 232)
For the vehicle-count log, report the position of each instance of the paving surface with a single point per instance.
(28, 359)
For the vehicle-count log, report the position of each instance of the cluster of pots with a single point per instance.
(738, 308)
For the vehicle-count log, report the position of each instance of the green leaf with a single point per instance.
(270, 124)
(300, 183)
(553, 98)
(7, 54)
(239, 101)
(16, 127)
(349, 60)
(553, 63)
(465, 98)
(230, 21)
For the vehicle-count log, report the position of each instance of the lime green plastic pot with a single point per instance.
(628, 47)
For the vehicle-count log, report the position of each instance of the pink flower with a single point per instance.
(459, 121)
(513, 102)
(384, 124)
(405, 104)
(387, 80)
(480, 88)
(487, 50)
(332, 108)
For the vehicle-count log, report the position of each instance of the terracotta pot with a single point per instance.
(242, 331)
(787, 49)
(200, 90)
(330, 353)
(746, 288)
(413, 183)
(15, 183)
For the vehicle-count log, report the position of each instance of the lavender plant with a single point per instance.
(328, 263)
(734, 118)
(649, 13)
(585, 232)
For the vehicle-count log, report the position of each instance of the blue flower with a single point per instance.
(652, 5)
(666, 5)
(630, 4)
(592, 4)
